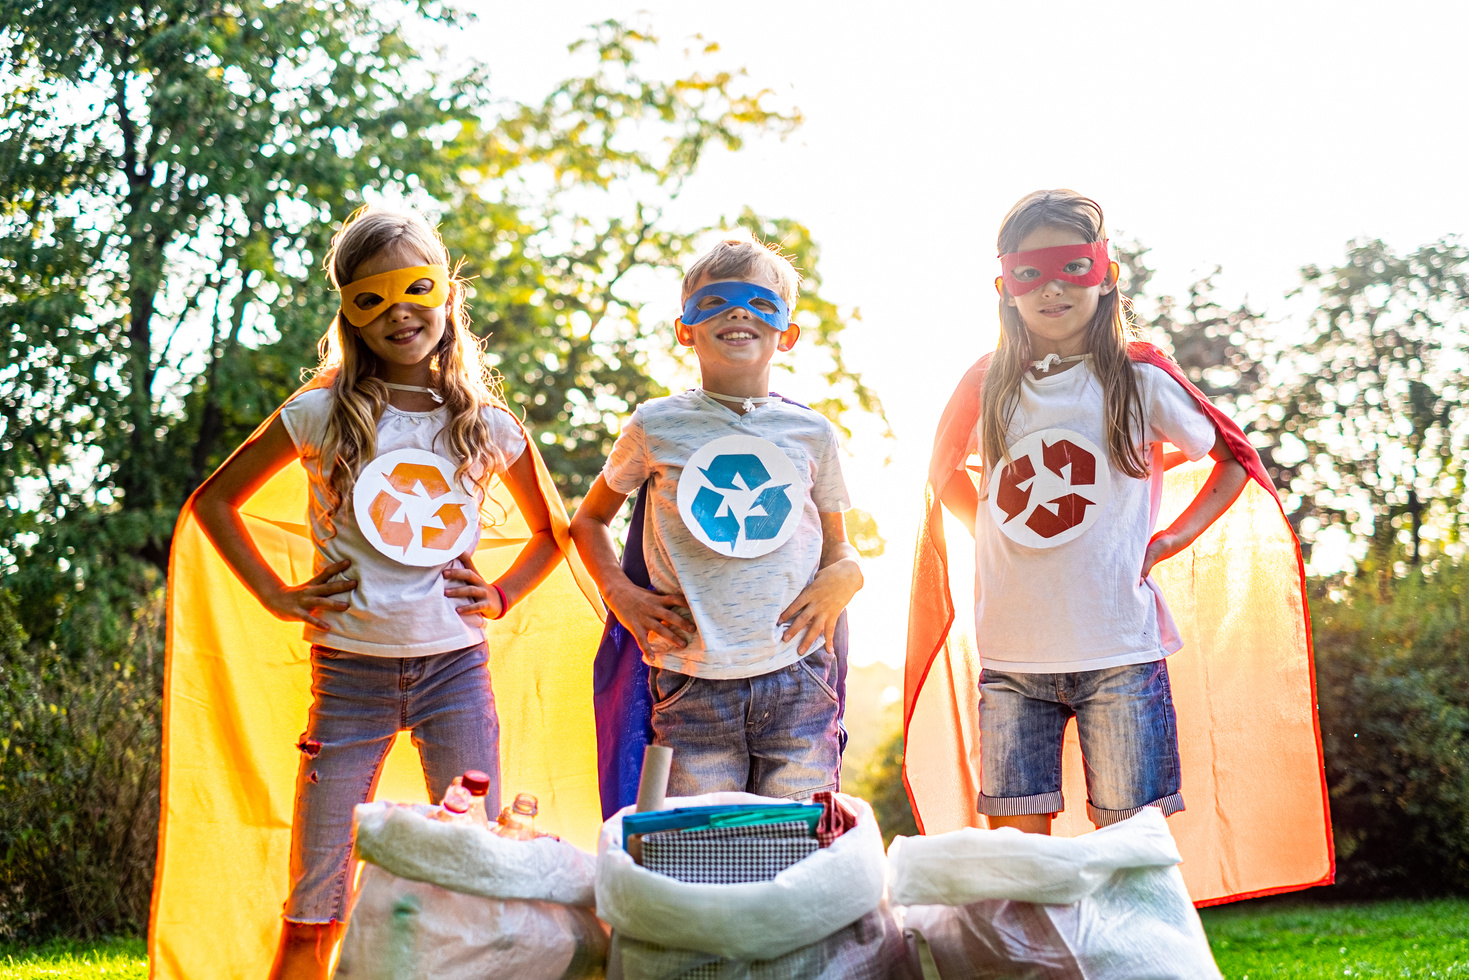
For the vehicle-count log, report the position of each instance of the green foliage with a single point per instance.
(1375, 401)
(559, 208)
(1292, 939)
(169, 177)
(79, 766)
(880, 783)
(1392, 673)
(863, 534)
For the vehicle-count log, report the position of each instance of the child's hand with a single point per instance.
(296, 602)
(486, 600)
(653, 619)
(1164, 545)
(817, 607)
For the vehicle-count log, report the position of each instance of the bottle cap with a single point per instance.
(455, 804)
(476, 782)
(526, 805)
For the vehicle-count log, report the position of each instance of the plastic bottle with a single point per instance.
(518, 821)
(478, 785)
(455, 806)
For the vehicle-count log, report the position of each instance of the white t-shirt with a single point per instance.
(1060, 533)
(397, 609)
(738, 506)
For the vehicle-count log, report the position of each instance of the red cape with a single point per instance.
(1244, 684)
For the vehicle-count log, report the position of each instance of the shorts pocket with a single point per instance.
(667, 686)
(826, 661)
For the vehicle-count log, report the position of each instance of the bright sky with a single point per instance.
(1256, 136)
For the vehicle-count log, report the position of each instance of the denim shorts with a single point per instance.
(1125, 722)
(775, 734)
(359, 704)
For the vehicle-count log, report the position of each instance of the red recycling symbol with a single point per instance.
(1013, 495)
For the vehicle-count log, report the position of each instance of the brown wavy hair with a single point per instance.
(1107, 338)
(359, 396)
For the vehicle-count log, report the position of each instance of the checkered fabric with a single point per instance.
(836, 819)
(727, 855)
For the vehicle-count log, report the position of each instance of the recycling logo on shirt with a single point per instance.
(410, 509)
(741, 496)
(1053, 490)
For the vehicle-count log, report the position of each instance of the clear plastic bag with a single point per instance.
(1109, 905)
(439, 900)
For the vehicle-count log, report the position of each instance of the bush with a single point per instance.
(1392, 674)
(80, 740)
(880, 783)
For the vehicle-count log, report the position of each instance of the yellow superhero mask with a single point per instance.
(392, 287)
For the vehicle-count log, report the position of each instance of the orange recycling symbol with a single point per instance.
(1052, 489)
(409, 509)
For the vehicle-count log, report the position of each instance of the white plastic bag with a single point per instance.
(454, 901)
(1109, 905)
(823, 917)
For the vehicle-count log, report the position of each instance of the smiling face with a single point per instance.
(1057, 314)
(404, 335)
(736, 343)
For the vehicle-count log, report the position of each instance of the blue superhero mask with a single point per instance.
(738, 294)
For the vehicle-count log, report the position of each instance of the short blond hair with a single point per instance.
(737, 258)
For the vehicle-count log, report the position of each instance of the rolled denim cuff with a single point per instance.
(1169, 804)
(1021, 806)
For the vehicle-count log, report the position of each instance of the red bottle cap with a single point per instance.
(476, 782)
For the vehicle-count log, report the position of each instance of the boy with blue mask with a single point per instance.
(745, 546)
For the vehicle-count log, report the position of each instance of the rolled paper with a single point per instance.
(653, 785)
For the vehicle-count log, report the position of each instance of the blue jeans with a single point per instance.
(1124, 719)
(359, 705)
(774, 734)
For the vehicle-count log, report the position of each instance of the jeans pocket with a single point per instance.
(827, 662)
(667, 686)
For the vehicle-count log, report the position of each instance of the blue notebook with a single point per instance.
(739, 815)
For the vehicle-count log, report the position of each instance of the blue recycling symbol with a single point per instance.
(751, 474)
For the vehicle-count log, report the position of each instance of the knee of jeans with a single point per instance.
(310, 748)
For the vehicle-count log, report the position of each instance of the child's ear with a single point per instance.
(1114, 274)
(788, 337)
(684, 334)
(1005, 297)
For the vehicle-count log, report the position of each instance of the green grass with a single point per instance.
(1271, 939)
(115, 959)
(1299, 939)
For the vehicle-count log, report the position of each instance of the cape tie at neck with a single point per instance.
(1044, 364)
(438, 398)
(747, 402)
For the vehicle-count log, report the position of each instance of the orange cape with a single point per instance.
(1244, 684)
(236, 692)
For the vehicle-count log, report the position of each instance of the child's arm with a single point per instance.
(217, 508)
(537, 557)
(817, 607)
(644, 613)
(960, 498)
(1221, 489)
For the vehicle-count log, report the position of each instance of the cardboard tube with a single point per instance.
(653, 784)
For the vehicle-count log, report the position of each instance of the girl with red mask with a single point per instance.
(1072, 425)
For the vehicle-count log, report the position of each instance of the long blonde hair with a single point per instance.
(1107, 338)
(359, 396)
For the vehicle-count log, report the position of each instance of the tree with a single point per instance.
(1374, 400)
(559, 208)
(170, 173)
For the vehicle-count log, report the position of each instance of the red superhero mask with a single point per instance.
(1084, 265)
